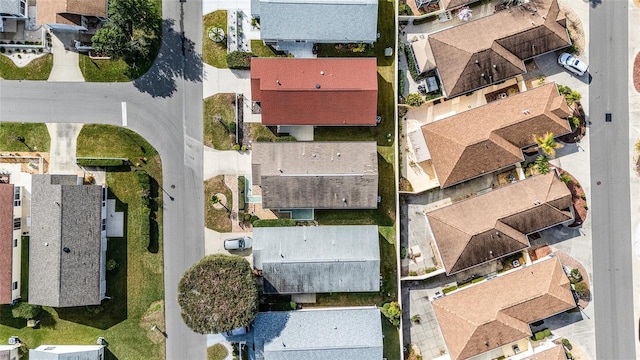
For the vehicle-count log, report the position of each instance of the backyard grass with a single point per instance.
(216, 135)
(36, 137)
(37, 69)
(390, 341)
(259, 49)
(216, 352)
(217, 219)
(213, 53)
(104, 70)
(134, 285)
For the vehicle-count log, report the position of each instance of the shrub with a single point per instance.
(263, 139)
(565, 178)
(392, 311)
(287, 138)
(239, 60)
(253, 218)
(404, 9)
(430, 270)
(449, 289)
(247, 217)
(569, 356)
(575, 276)
(413, 273)
(477, 280)
(567, 344)
(538, 336)
(236, 147)
(582, 289)
(415, 100)
(293, 305)
(25, 311)
(413, 69)
(111, 264)
(243, 148)
(360, 48)
(2, 50)
(401, 80)
(575, 122)
(274, 222)
(241, 193)
(416, 318)
(231, 127)
(546, 332)
(218, 294)
(403, 252)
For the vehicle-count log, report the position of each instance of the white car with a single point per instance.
(238, 243)
(573, 64)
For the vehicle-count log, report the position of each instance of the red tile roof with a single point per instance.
(332, 91)
(6, 242)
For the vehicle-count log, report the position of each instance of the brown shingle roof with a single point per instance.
(289, 94)
(495, 46)
(495, 224)
(488, 138)
(318, 175)
(555, 353)
(498, 312)
(6, 242)
(53, 11)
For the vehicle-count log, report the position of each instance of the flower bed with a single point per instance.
(579, 199)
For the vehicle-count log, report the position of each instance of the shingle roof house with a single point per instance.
(353, 333)
(10, 242)
(496, 224)
(67, 352)
(319, 21)
(554, 353)
(330, 91)
(492, 49)
(68, 243)
(509, 304)
(69, 12)
(488, 138)
(13, 8)
(317, 259)
(316, 175)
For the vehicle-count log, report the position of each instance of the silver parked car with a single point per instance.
(573, 64)
(238, 243)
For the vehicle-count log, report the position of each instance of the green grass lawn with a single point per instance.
(217, 219)
(104, 70)
(216, 135)
(36, 137)
(213, 53)
(259, 49)
(216, 352)
(37, 69)
(390, 347)
(136, 285)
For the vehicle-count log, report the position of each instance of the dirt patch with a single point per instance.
(571, 263)
(636, 70)
(578, 198)
(574, 25)
(154, 316)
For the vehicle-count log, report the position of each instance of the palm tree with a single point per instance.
(542, 165)
(547, 144)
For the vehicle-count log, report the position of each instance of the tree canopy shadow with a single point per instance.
(178, 59)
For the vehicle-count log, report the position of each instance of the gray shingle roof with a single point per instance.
(65, 215)
(329, 21)
(318, 259)
(10, 7)
(319, 175)
(67, 352)
(337, 334)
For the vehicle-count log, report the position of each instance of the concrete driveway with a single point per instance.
(214, 244)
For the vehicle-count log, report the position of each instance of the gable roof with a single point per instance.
(319, 175)
(496, 46)
(54, 11)
(317, 259)
(67, 352)
(490, 137)
(353, 333)
(65, 215)
(509, 304)
(324, 91)
(327, 21)
(6, 243)
(554, 353)
(495, 224)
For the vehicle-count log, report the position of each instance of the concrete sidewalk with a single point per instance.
(63, 148)
(65, 62)
(228, 162)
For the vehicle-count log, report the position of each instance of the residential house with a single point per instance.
(496, 224)
(13, 14)
(85, 16)
(10, 242)
(68, 244)
(317, 259)
(328, 91)
(67, 352)
(10, 352)
(316, 175)
(353, 333)
(317, 21)
(492, 49)
(554, 353)
(491, 319)
(489, 138)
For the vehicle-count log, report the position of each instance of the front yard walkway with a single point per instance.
(65, 62)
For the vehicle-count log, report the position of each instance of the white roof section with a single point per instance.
(318, 259)
(318, 334)
(67, 352)
(419, 145)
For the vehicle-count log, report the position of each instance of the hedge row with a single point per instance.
(413, 69)
(274, 222)
(239, 60)
(241, 193)
(99, 162)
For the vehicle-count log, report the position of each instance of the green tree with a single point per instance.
(547, 144)
(415, 100)
(392, 311)
(25, 310)
(218, 294)
(542, 165)
(582, 289)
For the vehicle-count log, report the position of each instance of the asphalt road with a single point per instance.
(164, 106)
(610, 198)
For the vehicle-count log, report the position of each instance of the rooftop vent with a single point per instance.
(317, 86)
(66, 249)
(278, 82)
(321, 72)
(526, 112)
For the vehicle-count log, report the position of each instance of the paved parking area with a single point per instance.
(426, 333)
(214, 244)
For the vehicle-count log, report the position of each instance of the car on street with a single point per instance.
(573, 64)
(240, 243)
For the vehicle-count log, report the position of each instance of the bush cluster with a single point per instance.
(273, 222)
(392, 311)
(239, 60)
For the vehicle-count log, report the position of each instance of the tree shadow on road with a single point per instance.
(177, 59)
